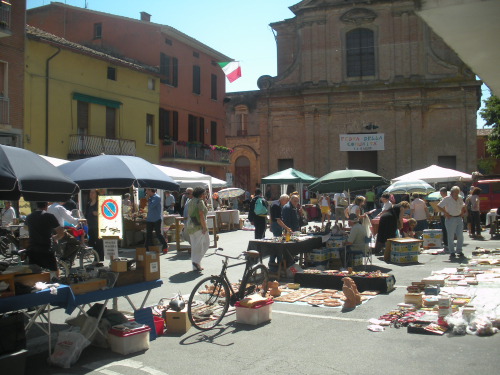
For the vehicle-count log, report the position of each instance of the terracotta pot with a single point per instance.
(275, 292)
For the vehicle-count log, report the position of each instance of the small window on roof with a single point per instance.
(168, 41)
(111, 73)
(196, 54)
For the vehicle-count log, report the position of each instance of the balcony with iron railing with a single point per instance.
(84, 146)
(5, 19)
(4, 110)
(183, 152)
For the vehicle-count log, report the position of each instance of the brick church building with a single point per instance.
(360, 85)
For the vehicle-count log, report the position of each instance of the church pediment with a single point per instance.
(358, 16)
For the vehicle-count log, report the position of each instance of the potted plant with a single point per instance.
(167, 140)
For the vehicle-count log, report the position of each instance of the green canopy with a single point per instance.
(348, 179)
(288, 176)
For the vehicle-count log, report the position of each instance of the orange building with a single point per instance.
(192, 90)
(12, 28)
(482, 151)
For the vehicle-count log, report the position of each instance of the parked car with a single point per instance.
(490, 194)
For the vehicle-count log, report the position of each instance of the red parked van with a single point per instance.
(490, 194)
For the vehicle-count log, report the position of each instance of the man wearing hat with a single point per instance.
(169, 202)
(357, 235)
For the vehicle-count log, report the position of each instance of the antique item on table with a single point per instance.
(275, 291)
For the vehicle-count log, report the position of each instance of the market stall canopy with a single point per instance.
(348, 179)
(410, 187)
(434, 174)
(288, 176)
(24, 173)
(117, 171)
(230, 193)
(190, 178)
(55, 161)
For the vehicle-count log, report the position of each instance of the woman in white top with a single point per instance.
(419, 211)
(324, 203)
(356, 208)
(385, 199)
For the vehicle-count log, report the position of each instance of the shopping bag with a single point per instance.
(68, 349)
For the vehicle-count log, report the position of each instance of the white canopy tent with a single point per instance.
(54, 161)
(435, 174)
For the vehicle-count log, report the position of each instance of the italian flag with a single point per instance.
(231, 69)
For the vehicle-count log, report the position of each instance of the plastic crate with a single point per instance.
(254, 315)
(135, 339)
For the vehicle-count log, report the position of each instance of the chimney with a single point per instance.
(145, 17)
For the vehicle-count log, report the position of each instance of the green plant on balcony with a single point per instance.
(167, 140)
(181, 143)
(3, 24)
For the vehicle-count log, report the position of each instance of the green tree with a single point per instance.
(491, 114)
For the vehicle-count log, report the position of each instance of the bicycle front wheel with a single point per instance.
(255, 281)
(88, 257)
(208, 303)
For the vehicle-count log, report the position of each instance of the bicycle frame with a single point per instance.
(235, 296)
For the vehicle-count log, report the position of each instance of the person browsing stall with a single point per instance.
(169, 202)
(357, 234)
(385, 199)
(389, 223)
(40, 225)
(63, 215)
(419, 211)
(154, 220)
(325, 207)
(8, 213)
(196, 227)
(258, 219)
(444, 193)
(289, 215)
(454, 209)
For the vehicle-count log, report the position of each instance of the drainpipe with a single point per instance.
(47, 101)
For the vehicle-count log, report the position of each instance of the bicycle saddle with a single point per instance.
(252, 253)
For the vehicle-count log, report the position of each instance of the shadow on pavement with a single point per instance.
(183, 277)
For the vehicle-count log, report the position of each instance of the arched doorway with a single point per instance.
(242, 173)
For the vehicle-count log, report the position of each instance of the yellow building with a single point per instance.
(79, 102)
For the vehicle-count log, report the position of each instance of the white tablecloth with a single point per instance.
(223, 217)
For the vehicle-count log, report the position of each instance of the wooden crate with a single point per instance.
(10, 291)
(87, 286)
(32, 278)
(133, 276)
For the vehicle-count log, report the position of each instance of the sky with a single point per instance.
(238, 29)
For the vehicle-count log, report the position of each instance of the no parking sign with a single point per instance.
(110, 216)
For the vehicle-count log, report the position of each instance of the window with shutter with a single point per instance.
(202, 130)
(214, 87)
(175, 125)
(82, 117)
(360, 53)
(165, 68)
(164, 123)
(110, 123)
(149, 129)
(191, 128)
(213, 133)
(174, 71)
(196, 79)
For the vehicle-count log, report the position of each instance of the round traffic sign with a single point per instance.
(109, 209)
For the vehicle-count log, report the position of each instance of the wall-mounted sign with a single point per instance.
(361, 142)
(109, 216)
(229, 179)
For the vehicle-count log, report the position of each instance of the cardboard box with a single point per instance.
(404, 257)
(133, 276)
(88, 286)
(319, 255)
(334, 254)
(151, 266)
(414, 298)
(140, 254)
(177, 322)
(117, 265)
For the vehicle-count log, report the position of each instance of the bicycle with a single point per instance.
(211, 297)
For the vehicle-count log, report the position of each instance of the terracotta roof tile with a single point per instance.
(483, 132)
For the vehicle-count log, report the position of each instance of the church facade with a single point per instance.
(360, 85)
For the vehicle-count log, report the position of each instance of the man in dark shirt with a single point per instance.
(289, 214)
(277, 225)
(40, 225)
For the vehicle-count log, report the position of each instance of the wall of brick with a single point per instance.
(422, 97)
(12, 53)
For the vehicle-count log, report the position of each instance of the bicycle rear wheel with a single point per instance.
(208, 303)
(88, 257)
(255, 281)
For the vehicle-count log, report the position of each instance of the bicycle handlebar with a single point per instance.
(227, 256)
